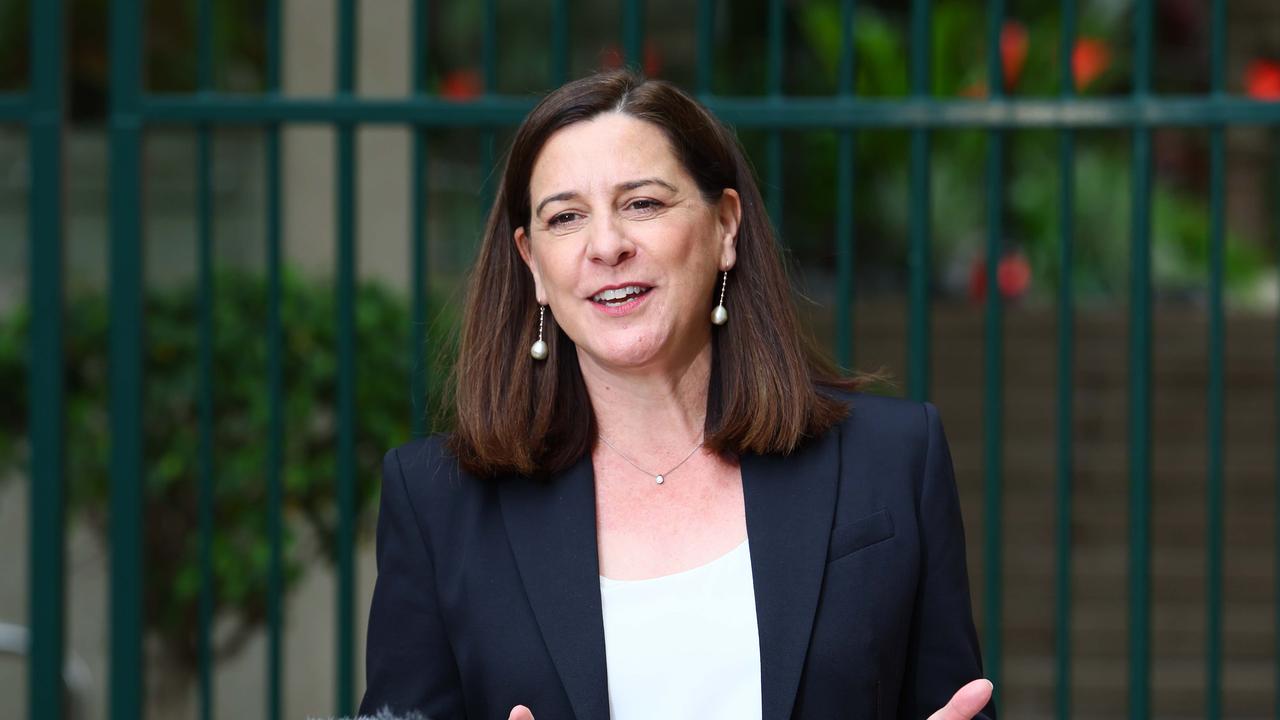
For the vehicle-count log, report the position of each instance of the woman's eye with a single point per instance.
(562, 218)
(645, 205)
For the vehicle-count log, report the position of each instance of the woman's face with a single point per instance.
(612, 209)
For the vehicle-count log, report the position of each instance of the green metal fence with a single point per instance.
(42, 111)
(133, 110)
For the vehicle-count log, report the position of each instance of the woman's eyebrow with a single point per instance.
(568, 195)
(633, 184)
(620, 187)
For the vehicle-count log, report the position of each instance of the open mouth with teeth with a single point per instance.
(619, 296)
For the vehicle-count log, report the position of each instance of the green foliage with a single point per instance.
(1180, 225)
(15, 18)
(241, 415)
(236, 35)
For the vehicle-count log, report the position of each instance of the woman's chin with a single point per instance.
(627, 354)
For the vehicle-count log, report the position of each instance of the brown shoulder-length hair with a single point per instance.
(514, 414)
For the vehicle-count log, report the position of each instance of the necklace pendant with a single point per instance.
(657, 479)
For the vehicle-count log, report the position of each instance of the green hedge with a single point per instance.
(241, 411)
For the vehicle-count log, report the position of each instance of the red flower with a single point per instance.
(1089, 58)
(1013, 276)
(461, 85)
(1014, 43)
(652, 59)
(1013, 51)
(611, 58)
(1262, 80)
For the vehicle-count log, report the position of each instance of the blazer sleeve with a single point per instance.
(409, 664)
(942, 652)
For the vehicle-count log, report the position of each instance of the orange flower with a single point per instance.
(1262, 80)
(1089, 58)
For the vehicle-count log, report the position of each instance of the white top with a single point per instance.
(686, 645)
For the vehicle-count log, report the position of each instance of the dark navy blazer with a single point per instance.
(488, 591)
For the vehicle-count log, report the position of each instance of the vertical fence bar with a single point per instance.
(126, 673)
(706, 47)
(773, 148)
(1275, 242)
(275, 380)
(418, 275)
(844, 197)
(489, 46)
(918, 253)
(1216, 391)
(633, 33)
(993, 356)
(1140, 382)
(346, 299)
(47, 599)
(204, 240)
(559, 42)
(1066, 365)
(489, 53)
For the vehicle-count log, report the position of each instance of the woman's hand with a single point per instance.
(967, 702)
(521, 712)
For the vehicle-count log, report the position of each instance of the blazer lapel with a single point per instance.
(790, 503)
(552, 528)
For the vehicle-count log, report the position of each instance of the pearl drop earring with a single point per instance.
(720, 316)
(539, 349)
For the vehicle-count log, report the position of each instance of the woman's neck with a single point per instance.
(650, 410)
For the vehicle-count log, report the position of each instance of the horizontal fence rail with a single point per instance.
(919, 113)
(14, 108)
(794, 113)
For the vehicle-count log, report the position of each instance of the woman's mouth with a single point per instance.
(619, 296)
(621, 301)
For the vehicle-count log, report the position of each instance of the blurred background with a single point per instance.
(234, 236)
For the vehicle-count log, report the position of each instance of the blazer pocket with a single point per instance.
(848, 538)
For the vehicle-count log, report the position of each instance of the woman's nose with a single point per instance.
(607, 242)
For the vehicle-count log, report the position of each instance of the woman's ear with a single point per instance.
(526, 254)
(728, 217)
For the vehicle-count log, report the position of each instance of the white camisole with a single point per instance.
(686, 645)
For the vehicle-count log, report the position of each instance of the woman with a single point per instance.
(655, 503)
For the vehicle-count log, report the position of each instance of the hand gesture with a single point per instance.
(967, 702)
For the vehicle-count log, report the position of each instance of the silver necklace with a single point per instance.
(657, 477)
